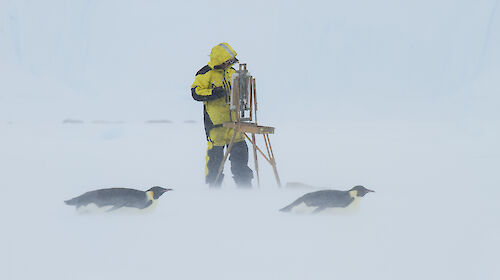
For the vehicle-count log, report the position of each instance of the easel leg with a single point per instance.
(221, 167)
(272, 160)
(276, 173)
(254, 144)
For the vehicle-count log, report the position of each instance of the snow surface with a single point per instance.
(434, 215)
(401, 97)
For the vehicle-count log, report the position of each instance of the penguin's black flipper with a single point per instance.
(116, 207)
(318, 210)
(147, 204)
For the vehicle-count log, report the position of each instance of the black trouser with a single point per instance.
(238, 157)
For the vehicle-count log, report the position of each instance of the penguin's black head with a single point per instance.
(158, 191)
(361, 190)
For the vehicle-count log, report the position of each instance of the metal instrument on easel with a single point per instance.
(243, 101)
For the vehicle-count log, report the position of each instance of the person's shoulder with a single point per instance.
(231, 70)
(203, 70)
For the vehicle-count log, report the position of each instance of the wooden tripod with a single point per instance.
(244, 98)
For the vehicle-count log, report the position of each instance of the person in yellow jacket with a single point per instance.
(212, 86)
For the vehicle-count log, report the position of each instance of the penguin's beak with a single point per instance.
(369, 190)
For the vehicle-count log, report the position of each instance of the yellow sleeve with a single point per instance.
(201, 89)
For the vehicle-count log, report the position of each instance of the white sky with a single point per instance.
(328, 60)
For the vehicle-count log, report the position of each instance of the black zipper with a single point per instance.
(227, 86)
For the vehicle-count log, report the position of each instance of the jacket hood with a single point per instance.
(220, 54)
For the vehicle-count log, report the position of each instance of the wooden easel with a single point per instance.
(244, 98)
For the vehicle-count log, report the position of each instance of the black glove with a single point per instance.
(218, 92)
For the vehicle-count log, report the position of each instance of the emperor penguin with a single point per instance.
(321, 201)
(107, 200)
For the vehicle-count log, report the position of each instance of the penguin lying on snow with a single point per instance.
(320, 201)
(116, 198)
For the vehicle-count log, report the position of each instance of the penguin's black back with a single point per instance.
(328, 198)
(323, 199)
(118, 197)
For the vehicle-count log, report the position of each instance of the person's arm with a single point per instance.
(202, 90)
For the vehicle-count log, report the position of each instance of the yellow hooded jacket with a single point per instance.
(215, 109)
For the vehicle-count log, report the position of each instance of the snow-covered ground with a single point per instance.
(435, 213)
(401, 97)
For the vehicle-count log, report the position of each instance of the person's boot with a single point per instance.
(243, 183)
(215, 185)
(242, 174)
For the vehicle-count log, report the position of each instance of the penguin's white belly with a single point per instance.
(92, 208)
(352, 208)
